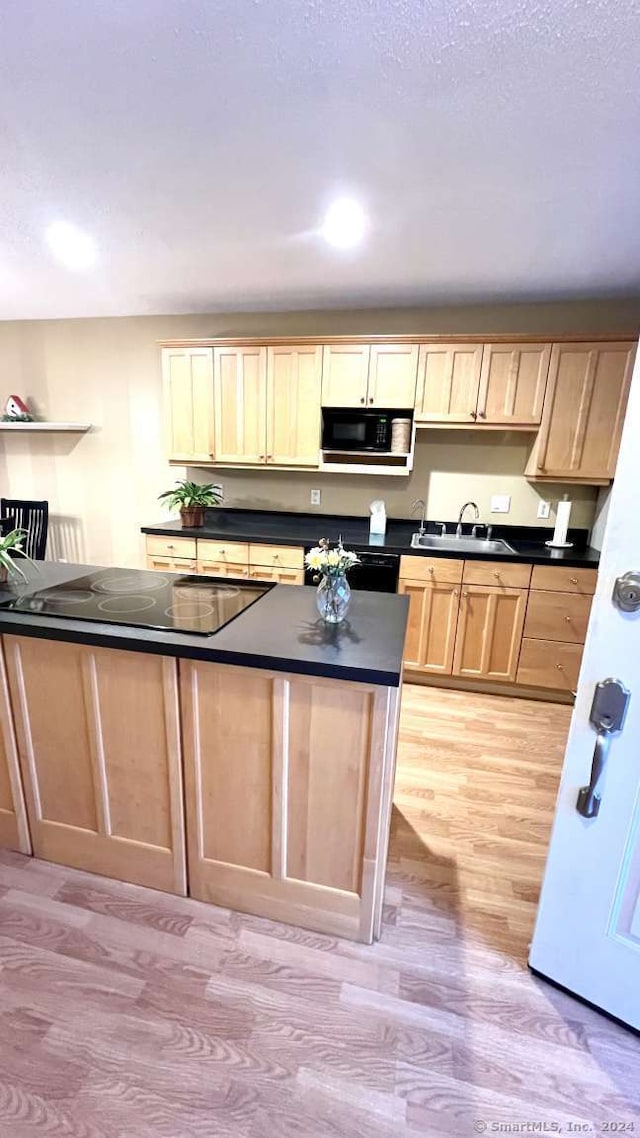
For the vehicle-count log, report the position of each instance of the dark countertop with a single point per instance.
(305, 529)
(282, 631)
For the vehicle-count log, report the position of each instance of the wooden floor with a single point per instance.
(130, 1014)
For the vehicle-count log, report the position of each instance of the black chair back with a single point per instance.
(30, 516)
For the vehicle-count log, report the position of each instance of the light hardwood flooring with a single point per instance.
(126, 1013)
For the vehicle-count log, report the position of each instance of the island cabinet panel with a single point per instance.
(14, 829)
(288, 785)
(99, 747)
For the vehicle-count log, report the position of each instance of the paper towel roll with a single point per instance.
(559, 539)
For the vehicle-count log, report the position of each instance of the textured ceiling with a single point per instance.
(494, 144)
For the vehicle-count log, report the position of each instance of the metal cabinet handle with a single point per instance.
(371, 398)
(431, 569)
(455, 592)
(560, 667)
(482, 414)
(496, 573)
(574, 580)
(474, 414)
(169, 546)
(568, 619)
(362, 399)
(465, 594)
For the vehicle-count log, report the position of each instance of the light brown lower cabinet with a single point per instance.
(431, 629)
(172, 564)
(288, 808)
(490, 623)
(99, 748)
(278, 576)
(14, 829)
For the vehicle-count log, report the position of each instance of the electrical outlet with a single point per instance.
(315, 497)
(500, 503)
(544, 509)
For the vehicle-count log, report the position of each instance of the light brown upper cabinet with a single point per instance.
(188, 398)
(240, 390)
(448, 383)
(294, 380)
(583, 413)
(513, 379)
(377, 375)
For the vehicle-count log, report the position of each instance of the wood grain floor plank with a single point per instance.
(127, 1013)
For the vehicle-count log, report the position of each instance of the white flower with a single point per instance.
(333, 557)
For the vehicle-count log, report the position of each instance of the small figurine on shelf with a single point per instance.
(16, 411)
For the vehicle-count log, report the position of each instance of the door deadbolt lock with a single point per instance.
(626, 592)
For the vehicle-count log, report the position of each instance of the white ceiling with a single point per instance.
(494, 144)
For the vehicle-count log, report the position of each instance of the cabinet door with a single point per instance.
(294, 381)
(583, 412)
(448, 383)
(393, 371)
(345, 371)
(99, 745)
(14, 830)
(431, 631)
(240, 388)
(278, 576)
(489, 634)
(287, 816)
(188, 403)
(512, 384)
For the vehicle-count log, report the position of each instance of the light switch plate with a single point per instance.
(500, 503)
(544, 509)
(316, 495)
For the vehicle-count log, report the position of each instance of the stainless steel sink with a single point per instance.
(453, 544)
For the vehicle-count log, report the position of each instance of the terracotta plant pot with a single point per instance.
(192, 516)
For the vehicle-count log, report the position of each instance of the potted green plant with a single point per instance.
(192, 499)
(12, 543)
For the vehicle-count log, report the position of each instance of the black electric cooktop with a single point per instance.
(144, 599)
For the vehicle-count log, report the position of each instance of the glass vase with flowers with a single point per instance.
(331, 565)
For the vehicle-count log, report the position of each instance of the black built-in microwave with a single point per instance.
(357, 430)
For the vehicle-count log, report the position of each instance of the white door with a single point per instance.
(587, 935)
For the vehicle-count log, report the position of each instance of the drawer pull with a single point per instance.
(431, 569)
(568, 619)
(560, 667)
(465, 594)
(169, 546)
(574, 580)
(496, 574)
(455, 592)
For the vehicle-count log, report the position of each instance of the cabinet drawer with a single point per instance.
(547, 664)
(440, 570)
(558, 578)
(171, 546)
(277, 556)
(557, 616)
(234, 552)
(238, 570)
(509, 574)
(279, 575)
(172, 564)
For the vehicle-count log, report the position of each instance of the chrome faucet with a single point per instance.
(461, 514)
(422, 505)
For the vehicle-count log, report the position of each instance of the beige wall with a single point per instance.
(103, 486)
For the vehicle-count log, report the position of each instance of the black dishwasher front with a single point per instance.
(375, 573)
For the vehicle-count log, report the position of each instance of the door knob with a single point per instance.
(607, 716)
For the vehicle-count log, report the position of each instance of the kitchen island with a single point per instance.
(252, 768)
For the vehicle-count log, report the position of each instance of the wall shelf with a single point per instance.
(78, 428)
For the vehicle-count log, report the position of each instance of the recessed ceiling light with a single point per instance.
(70, 246)
(344, 224)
